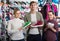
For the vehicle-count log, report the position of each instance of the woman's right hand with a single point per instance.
(19, 28)
(47, 27)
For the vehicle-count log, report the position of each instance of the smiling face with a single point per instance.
(17, 14)
(50, 15)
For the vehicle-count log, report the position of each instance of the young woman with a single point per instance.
(51, 28)
(15, 27)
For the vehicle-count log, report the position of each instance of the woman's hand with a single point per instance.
(47, 27)
(19, 28)
(54, 30)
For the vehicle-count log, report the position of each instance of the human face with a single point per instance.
(17, 14)
(33, 6)
(50, 15)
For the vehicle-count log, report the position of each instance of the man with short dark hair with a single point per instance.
(34, 33)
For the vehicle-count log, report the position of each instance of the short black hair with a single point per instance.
(52, 12)
(33, 2)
